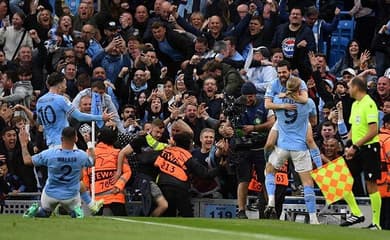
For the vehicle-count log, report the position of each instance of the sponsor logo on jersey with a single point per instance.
(288, 47)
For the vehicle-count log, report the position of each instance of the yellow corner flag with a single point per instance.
(334, 179)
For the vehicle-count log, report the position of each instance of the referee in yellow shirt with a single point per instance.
(364, 151)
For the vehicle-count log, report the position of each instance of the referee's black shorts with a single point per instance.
(367, 159)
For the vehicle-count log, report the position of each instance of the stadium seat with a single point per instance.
(339, 42)
(338, 46)
(334, 56)
(346, 28)
(341, 37)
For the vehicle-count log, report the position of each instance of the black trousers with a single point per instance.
(385, 213)
(179, 201)
(117, 209)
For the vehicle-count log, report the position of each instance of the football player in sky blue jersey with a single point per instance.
(278, 89)
(53, 110)
(292, 126)
(64, 171)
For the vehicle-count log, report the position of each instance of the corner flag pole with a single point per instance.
(93, 168)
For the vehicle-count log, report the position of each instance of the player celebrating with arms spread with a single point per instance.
(54, 109)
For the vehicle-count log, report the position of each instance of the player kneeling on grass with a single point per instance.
(64, 170)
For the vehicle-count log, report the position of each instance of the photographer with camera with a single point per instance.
(251, 128)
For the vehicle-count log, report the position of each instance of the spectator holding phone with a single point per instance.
(129, 119)
(148, 60)
(113, 58)
(111, 31)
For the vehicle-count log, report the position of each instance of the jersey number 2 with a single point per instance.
(66, 169)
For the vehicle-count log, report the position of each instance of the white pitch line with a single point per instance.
(209, 230)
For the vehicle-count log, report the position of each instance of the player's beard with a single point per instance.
(284, 79)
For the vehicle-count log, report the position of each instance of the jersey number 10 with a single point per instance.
(47, 115)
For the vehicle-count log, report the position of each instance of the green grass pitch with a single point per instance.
(58, 228)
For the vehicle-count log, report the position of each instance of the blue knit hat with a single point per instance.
(248, 88)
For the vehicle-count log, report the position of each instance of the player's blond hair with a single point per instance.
(292, 85)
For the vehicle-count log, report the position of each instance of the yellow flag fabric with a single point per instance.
(334, 179)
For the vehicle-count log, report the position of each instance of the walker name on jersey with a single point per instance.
(66, 159)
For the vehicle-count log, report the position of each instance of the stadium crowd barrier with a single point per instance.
(294, 209)
(18, 203)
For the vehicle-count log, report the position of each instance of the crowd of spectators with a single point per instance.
(172, 60)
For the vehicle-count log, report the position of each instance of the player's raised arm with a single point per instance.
(24, 139)
(84, 117)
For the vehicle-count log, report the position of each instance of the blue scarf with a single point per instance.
(138, 89)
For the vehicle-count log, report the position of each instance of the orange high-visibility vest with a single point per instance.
(172, 162)
(105, 169)
(281, 178)
(254, 185)
(384, 181)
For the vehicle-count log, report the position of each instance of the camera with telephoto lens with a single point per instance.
(233, 110)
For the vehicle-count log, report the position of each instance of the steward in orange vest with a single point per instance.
(146, 148)
(384, 181)
(176, 164)
(107, 187)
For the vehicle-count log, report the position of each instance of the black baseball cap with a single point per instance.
(111, 25)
